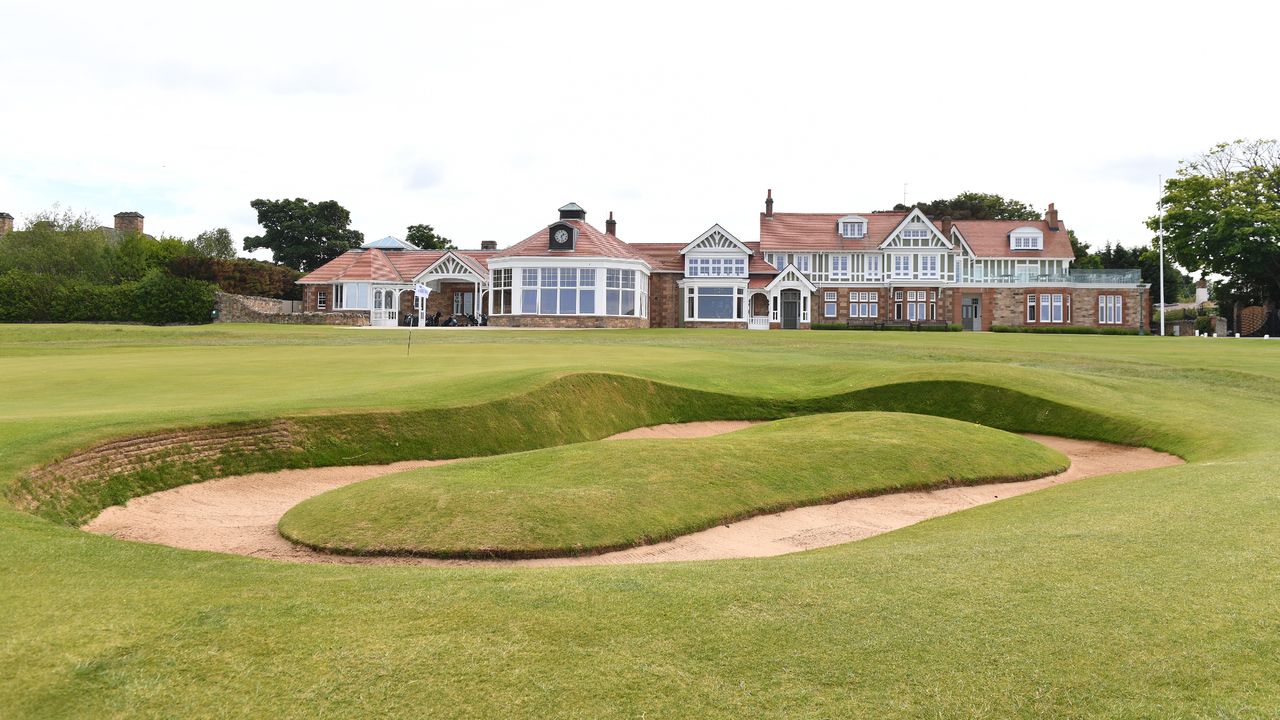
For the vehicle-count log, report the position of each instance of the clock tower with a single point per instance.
(561, 236)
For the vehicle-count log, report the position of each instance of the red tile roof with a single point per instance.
(662, 257)
(590, 243)
(396, 266)
(817, 231)
(990, 238)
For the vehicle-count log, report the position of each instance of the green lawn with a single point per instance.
(593, 497)
(1152, 594)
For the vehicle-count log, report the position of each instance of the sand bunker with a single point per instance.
(239, 514)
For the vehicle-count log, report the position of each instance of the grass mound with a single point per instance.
(595, 497)
(569, 409)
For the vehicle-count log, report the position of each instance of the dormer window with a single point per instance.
(915, 233)
(1026, 238)
(852, 226)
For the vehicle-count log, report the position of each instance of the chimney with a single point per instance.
(768, 204)
(6, 223)
(488, 244)
(1051, 218)
(129, 221)
(946, 227)
(611, 225)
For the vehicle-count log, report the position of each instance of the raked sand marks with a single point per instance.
(239, 514)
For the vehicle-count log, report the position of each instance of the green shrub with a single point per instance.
(160, 298)
(24, 297)
(1205, 324)
(1064, 330)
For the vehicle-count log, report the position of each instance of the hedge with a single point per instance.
(1064, 330)
(241, 276)
(156, 299)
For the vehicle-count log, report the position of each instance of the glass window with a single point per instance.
(929, 266)
(1031, 308)
(715, 303)
(322, 299)
(1057, 308)
(1045, 312)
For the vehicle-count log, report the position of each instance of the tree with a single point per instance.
(57, 243)
(1222, 216)
(215, 243)
(303, 235)
(1084, 258)
(975, 206)
(425, 237)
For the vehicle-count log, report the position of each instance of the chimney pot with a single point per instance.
(946, 227)
(768, 203)
(611, 225)
(488, 244)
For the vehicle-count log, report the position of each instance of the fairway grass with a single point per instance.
(601, 496)
(1150, 594)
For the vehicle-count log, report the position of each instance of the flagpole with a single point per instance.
(1161, 235)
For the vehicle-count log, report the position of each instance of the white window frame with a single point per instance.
(905, 261)
(322, 300)
(929, 266)
(853, 229)
(1026, 241)
(839, 267)
(829, 303)
(1110, 309)
(1031, 308)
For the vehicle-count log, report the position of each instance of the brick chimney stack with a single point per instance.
(768, 204)
(946, 227)
(611, 225)
(1051, 218)
(488, 244)
(6, 223)
(129, 221)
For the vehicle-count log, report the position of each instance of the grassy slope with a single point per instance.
(1150, 594)
(592, 497)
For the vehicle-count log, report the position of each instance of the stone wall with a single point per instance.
(567, 321)
(1009, 306)
(246, 308)
(717, 324)
(664, 300)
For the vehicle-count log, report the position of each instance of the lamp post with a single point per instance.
(1160, 234)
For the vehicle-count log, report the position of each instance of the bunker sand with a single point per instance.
(239, 514)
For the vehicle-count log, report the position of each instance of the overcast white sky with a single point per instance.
(482, 118)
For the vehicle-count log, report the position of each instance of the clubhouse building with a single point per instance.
(875, 269)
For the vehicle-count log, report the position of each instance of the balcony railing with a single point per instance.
(1075, 277)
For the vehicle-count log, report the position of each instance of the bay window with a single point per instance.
(501, 292)
(713, 303)
(620, 292)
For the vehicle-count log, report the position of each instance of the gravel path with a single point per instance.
(239, 514)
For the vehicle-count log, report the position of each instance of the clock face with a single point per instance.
(562, 236)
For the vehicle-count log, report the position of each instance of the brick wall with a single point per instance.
(664, 300)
